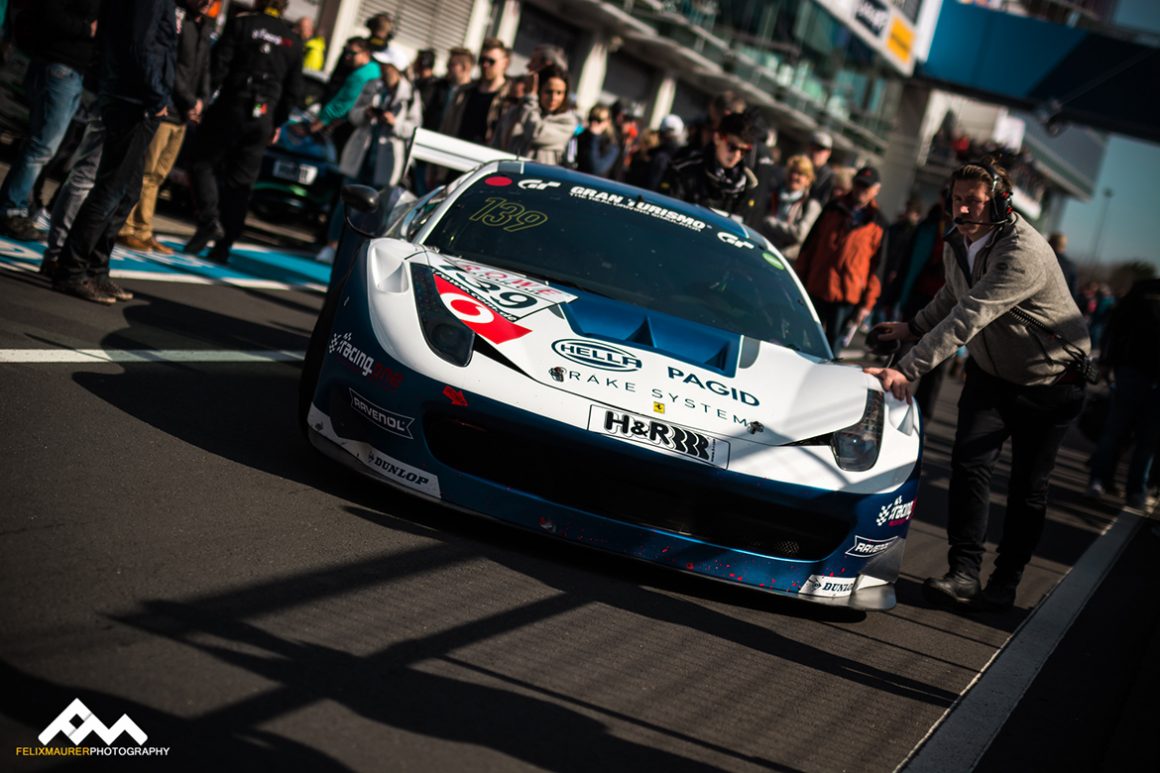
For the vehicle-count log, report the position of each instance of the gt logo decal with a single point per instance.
(537, 185)
(477, 315)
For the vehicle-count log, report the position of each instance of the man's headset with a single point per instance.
(1001, 208)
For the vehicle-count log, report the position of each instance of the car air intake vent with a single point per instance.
(603, 476)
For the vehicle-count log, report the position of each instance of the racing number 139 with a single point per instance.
(508, 215)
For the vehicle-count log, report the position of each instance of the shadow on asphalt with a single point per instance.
(205, 743)
(246, 414)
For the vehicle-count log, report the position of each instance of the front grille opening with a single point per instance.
(595, 477)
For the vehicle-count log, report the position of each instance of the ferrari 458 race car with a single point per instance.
(614, 368)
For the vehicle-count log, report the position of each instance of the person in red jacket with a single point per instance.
(841, 260)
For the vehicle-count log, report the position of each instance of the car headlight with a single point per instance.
(446, 335)
(856, 447)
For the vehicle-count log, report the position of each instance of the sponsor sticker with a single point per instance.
(361, 362)
(514, 295)
(486, 321)
(864, 547)
(736, 241)
(659, 434)
(596, 355)
(716, 387)
(403, 474)
(896, 513)
(532, 184)
(638, 205)
(821, 585)
(390, 421)
(498, 181)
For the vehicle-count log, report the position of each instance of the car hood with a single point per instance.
(649, 363)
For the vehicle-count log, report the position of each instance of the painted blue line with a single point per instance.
(247, 262)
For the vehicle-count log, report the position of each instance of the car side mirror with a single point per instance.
(361, 198)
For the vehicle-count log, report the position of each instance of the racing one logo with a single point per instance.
(895, 513)
(596, 355)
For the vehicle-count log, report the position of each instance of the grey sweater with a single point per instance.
(1019, 268)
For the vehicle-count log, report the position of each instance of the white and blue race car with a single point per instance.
(614, 368)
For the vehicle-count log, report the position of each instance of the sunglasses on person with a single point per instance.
(735, 148)
(487, 61)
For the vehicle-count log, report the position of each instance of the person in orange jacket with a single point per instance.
(842, 258)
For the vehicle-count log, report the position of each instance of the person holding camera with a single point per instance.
(1005, 299)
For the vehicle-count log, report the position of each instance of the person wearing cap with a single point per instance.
(819, 152)
(1006, 300)
(716, 176)
(384, 117)
(257, 70)
(841, 258)
(596, 148)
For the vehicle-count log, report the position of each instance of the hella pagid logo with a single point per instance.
(596, 355)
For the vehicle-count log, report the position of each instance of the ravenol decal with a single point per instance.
(820, 585)
(864, 547)
(896, 513)
(389, 420)
(596, 355)
(658, 434)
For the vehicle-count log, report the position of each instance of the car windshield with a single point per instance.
(631, 246)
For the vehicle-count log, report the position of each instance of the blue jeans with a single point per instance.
(54, 91)
(1135, 404)
(75, 189)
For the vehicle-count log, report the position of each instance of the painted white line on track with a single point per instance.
(43, 356)
(965, 731)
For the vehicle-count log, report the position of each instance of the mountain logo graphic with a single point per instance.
(89, 724)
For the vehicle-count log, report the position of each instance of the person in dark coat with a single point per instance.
(138, 44)
(1132, 354)
(716, 176)
(258, 66)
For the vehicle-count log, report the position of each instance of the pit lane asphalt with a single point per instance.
(173, 550)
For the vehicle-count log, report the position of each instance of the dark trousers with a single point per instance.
(228, 147)
(834, 316)
(89, 244)
(1035, 418)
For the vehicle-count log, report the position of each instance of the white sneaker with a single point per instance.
(325, 255)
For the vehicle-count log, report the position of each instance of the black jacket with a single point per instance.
(1133, 335)
(192, 82)
(698, 179)
(259, 60)
(58, 31)
(138, 40)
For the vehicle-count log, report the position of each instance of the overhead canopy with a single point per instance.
(1061, 74)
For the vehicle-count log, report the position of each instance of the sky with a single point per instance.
(1131, 170)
